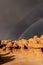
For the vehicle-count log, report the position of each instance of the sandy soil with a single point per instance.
(24, 57)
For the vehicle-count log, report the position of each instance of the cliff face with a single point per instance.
(23, 51)
(23, 44)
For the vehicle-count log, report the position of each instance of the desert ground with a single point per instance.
(22, 57)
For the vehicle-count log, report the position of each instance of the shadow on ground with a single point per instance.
(5, 59)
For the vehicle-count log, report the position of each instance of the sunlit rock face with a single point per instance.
(23, 51)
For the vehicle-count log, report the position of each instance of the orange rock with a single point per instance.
(15, 43)
(9, 44)
(23, 43)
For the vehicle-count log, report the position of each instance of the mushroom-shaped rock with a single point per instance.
(5, 41)
(23, 43)
(35, 43)
(41, 37)
(16, 45)
(9, 44)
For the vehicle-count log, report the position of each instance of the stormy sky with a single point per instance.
(16, 16)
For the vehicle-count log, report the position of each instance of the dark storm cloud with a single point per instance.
(35, 29)
(15, 17)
